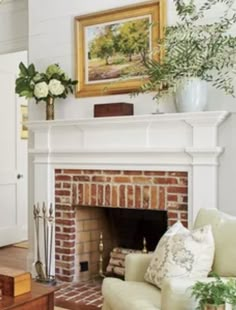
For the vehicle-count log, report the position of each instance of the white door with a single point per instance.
(13, 155)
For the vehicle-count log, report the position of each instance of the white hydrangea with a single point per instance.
(55, 87)
(41, 90)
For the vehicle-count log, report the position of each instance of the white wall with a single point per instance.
(51, 39)
(13, 26)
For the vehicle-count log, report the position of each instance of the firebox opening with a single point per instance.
(129, 227)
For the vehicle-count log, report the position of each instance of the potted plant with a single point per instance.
(45, 86)
(213, 295)
(194, 52)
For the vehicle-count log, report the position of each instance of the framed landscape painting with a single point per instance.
(111, 47)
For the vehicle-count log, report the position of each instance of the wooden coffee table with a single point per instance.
(41, 297)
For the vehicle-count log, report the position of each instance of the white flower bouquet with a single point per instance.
(54, 83)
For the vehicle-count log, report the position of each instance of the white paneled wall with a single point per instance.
(13, 26)
(51, 39)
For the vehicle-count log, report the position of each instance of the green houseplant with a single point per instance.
(45, 86)
(213, 295)
(194, 49)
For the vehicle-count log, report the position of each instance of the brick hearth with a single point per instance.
(78, 223)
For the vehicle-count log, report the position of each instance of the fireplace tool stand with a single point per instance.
(44, 219)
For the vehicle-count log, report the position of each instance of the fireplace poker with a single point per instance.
(45, 235)
(38, 264)
(50, 219)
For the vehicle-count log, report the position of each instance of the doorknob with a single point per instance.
(19, 176)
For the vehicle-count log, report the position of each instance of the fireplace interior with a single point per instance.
(129, 227)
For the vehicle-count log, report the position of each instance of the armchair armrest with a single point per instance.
(176, 294)
(136, 266)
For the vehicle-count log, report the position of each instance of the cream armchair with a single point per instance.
(136, 294)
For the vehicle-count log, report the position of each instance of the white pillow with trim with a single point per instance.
(182, 253)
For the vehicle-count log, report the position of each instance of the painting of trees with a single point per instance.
(117, 50)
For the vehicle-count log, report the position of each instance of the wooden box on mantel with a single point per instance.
(113, 109)
(14, 282)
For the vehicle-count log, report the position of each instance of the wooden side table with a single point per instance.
(41, 297)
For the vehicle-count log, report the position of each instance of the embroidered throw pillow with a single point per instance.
(182, 253)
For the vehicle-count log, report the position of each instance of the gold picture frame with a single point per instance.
(24, 118)
(108, 57)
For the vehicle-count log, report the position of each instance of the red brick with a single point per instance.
(72, 171)
(68, 258)
(122, 179)
(81, 178)
(112, 172)
(162, 203)
(134, 172)
(65, 222)
(67, 185)
(65, 251)
(177, 173)
(68, 215)
(97, 178)
(172, 215)
(100, 195)
(63, 178)
(114, 196)
(137, 196)
(70, 244)
(94, 194)
(107, 195)
(68, 272)
(130, 196)
(86, 171)
(154, 197)
(142, 180)
(58, 229)
(57, 171)
(184, 215)
(122, 196)
(165, 181)
(80, 194)
(58, 214)
(175, 189)
(62, 193)
(69, 229)
(172, 197)
(58, 185)
(146, 197)
(86, 194)
(154, 173)
(62, 236)
(183, 181)
(74, 195)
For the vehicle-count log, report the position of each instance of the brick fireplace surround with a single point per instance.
(167, 161)
(77, 230)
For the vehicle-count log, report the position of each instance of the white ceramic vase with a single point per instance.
(191, 95)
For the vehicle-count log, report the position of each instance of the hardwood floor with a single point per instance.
(14, 257)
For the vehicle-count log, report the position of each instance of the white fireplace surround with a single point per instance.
(163, 142)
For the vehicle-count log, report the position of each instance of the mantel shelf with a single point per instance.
(194, 119)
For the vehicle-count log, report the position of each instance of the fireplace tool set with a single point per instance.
(43, 218)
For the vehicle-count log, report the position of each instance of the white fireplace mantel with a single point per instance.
(169, 142)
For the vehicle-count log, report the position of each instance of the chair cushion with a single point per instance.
(182, 253)
(130, 295)
(224, 231)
